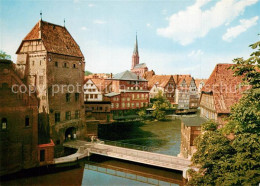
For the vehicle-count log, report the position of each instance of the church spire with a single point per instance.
(136, 45)
(135, 56)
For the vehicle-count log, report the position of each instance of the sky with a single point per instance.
(174, 36)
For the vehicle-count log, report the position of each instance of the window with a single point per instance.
(27, 121)
(42, 155)
(77, 114)
(123, 105)
(137, 104)
(4, 124)
(68, 115)
(96, 96)
(128, 105)
(67, 97)
(40, 62)
(56, 64)
(133, 105)
(117, 105)
(65, 65)
(100, 108)
(74, 65)
(32, 63)
(91, 96)
(112, 105)
(5, 86)
(40, 80)
(76, 96)
(57, 117)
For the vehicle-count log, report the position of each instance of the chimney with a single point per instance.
(111, 75)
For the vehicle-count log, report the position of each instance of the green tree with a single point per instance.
(160, 104)
(142, 113)
(3, 55)
(233, 161)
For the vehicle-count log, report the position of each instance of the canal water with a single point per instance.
(160, 137)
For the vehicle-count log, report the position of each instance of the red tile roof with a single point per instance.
(148, 75)
(56, 39)
(224, 87)
(198, 81)
(100, 83)
(179, 78)
(160, 80)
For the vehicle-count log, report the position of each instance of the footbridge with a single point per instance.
(142, 155)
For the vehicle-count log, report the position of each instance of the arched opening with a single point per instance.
(4, 124)
(70, 133)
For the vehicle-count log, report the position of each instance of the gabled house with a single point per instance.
(91, 91)
(221, 91)
(163, 83)
(200, 84)
(193, 91)
(182, 92)
(50, 60)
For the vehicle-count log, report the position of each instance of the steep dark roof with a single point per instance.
(141, 65)
(56, 39)
(127, 75)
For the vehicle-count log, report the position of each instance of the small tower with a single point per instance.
(135, 56)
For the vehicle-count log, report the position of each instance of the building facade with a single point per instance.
(91, 91)
(51, 61)
(129, 91)
(221, 91)
(20, 135)
(190, 129)
(163, 83)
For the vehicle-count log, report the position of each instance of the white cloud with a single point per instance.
(196, 53)
(148, 24)
(192, 23)
(83, 28)
(164, 12)
(91, 5)
(99, 21)
(235, 31)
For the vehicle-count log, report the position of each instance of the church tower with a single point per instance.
(135, 56)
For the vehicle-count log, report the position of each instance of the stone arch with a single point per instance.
(70, 133)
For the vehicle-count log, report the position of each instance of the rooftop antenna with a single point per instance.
(64, 22)
(41, 14)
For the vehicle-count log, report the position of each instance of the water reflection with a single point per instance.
(164, 137)
(114, 171)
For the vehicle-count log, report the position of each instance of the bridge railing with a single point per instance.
(129, 146)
